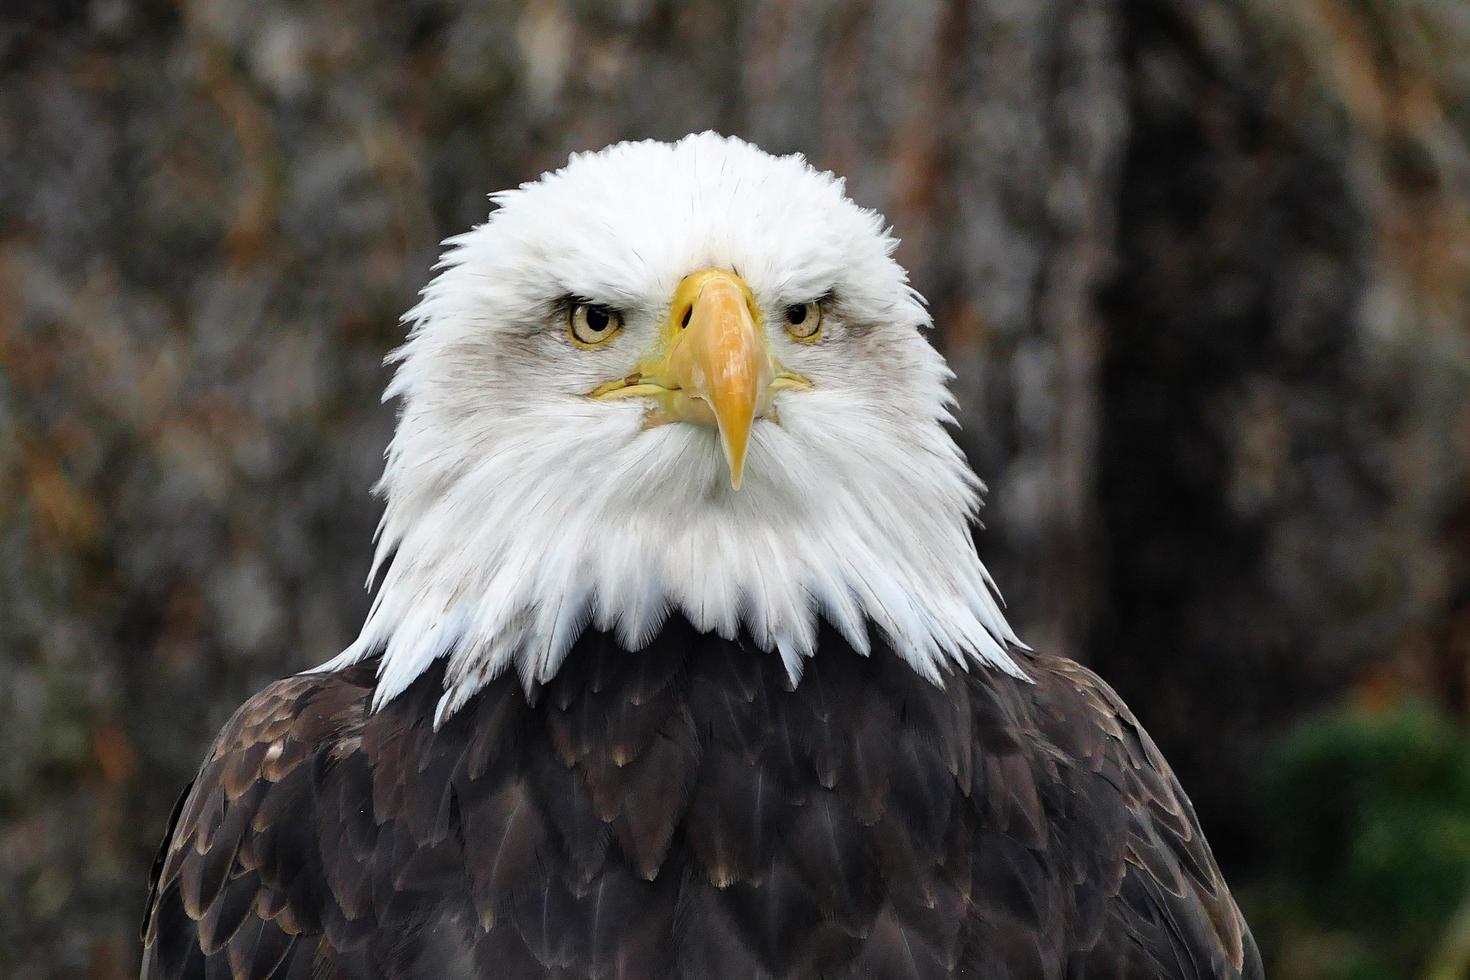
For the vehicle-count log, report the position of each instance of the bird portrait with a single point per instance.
(681, 659)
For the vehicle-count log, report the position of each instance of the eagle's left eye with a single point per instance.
(592, 324)
(804, 321)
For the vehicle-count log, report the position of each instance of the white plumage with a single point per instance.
(519, 509)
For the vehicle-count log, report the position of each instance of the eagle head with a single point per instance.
(681, 378)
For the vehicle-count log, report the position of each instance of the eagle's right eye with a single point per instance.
(592, 324)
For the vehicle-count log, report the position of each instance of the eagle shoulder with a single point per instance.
(1145, 896)
(237, 879)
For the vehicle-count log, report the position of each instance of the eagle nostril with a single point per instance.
(684, 320)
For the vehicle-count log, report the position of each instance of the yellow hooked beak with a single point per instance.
(713, 366)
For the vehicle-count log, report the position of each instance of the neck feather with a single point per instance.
(493, 558)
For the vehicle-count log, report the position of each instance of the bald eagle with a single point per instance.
(681, 661)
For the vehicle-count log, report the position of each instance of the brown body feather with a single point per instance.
(682, 812)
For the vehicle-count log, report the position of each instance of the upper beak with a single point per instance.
(719, 360)
(713, 365)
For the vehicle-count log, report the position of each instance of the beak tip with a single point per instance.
(736, 467)
(735, 441)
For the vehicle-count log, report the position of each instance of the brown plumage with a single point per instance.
(682, 812)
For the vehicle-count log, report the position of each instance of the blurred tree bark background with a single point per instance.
(1201, 267)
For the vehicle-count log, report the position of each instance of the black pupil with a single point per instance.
(796, 314)
(597, 319)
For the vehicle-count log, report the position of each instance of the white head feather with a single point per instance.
(519, 510)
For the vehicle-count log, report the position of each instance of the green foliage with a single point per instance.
(1372, 817)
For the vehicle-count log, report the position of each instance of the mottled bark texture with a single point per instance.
(1200, 267)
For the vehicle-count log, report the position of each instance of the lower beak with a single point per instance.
(718, 360)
